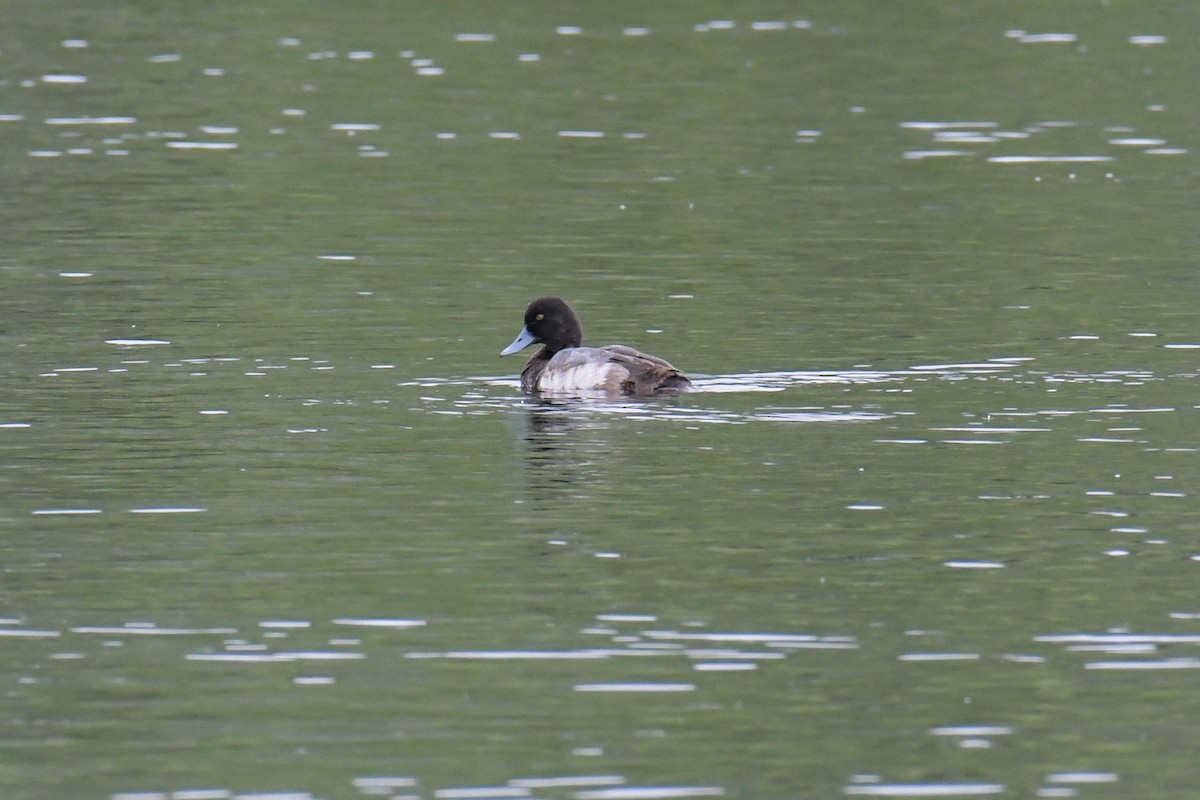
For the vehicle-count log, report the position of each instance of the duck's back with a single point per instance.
(647, 374)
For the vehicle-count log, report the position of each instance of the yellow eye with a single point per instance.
(539, 317)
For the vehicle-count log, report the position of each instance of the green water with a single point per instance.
(276, 519)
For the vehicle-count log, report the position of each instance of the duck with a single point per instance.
(564, 366)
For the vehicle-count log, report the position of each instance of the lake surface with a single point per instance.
(278, 523)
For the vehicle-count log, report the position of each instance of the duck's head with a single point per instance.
(549, 321)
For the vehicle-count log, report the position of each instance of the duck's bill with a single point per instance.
(523, 340)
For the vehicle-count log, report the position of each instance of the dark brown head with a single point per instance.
(549, 321)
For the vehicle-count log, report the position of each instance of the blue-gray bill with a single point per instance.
(523, 340)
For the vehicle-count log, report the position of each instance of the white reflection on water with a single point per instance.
(513, 655)
(1082, 777)
(27, 633)
(383, 785)
(628, 640)
(938, 657)
(941, 126)
(662, 644)
(1030, 159)
(649, 792)
(635, 687)
(984, 133)
(188, 145)
(968, 132)
(971, 730)
(106, 120)
(1045, 38)
(136, 342)
(381, 623)
(924, 789)
(709, 662)
(481, 792)
(567, 781)
(1130, 644)
(150, 629)
(767, 638)
(724, 666)
(274, 658)
(168, 510)
(686, 408)
(918, 155)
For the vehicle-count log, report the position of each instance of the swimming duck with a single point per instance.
(565, 366)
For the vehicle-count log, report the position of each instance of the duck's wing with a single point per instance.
(647, 374)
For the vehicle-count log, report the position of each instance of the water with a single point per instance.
(278, 522)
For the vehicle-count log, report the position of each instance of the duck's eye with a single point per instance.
(539, 318)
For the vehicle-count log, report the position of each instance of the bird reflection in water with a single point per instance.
(565, 450)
